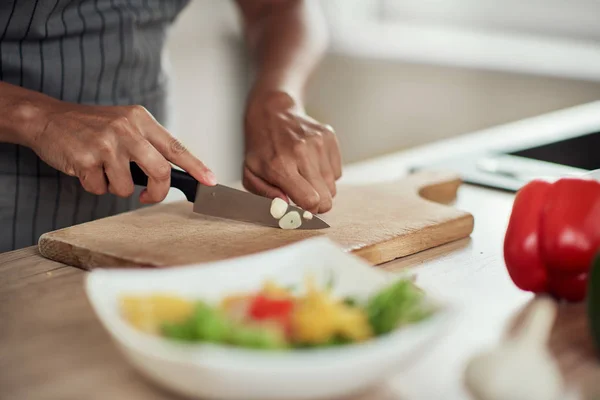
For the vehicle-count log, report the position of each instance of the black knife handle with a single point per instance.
(179, 180)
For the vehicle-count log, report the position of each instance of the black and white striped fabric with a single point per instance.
(106, 52)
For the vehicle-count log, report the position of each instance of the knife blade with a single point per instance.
(593, 174)
(538, 170)
(225, 202)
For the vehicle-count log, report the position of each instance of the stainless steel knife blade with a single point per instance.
(593, 174)
(226, 202)
(229, 203)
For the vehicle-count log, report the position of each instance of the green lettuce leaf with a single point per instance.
(399, 303)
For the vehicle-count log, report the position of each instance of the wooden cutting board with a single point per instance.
(378, 222)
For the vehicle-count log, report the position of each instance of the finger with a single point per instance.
(119, 176)
(325, 166)
(295, 186)
(260, 187)
(307, 159)
(332, 145)
(94, 181)
(312, 160)
(309, 169)
(335, 156)
(156, 167)
(173, 150)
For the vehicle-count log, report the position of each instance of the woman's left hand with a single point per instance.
(289, 154)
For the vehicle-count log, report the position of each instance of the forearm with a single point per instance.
(20, 114)
(287, 39)
(288, 154)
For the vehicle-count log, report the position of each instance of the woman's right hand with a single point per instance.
(97, 143)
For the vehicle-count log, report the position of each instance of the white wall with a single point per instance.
(208, 69)
(574, 19)
(380, 106)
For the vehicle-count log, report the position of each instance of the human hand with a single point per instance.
(290, 155)
(97, 143)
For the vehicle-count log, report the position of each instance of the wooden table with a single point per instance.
(53, 347)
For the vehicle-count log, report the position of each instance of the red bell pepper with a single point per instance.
(552, 236)
(279, 310)
(264, 307)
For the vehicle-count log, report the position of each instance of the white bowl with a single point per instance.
(220, 372)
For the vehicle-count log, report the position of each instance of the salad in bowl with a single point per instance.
(275, 317)
(301, 322)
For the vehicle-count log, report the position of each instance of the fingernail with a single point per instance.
(211, 178)
(144, 197)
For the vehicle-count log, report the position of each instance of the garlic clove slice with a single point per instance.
(291, 220)
(307, 215)
(278, 208)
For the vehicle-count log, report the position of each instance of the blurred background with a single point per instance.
(399, 72)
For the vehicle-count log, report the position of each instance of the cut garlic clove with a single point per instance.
(278, 208)
(291, 220)
(307, 215)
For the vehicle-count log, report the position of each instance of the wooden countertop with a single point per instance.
(53, 347)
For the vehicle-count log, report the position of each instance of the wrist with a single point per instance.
(29, 118)
(22, 120)
(272, 100)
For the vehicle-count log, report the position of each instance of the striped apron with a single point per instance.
(105, 52)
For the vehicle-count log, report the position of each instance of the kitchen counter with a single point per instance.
(53, 347)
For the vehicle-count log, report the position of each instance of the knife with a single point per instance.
(226, 202)
(512, 171)
(593, 174)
